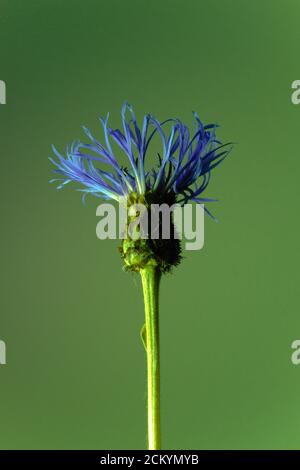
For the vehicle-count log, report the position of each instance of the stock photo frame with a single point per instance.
(149, 244)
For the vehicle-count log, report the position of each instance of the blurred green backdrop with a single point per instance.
(70, 317)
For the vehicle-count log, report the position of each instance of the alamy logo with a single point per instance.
(2, 353)
(2, 92)
(157, 221)
(295, 97)
(295, 357)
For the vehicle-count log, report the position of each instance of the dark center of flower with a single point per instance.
(156, 250)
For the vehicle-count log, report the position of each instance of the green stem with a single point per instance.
(150, 281)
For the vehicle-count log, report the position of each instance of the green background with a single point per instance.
(70, 317)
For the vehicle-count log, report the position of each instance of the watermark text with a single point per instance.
(2, 353)
(2, 92)
(158, 221)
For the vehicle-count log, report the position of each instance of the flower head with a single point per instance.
(181, 175)
(183, 168)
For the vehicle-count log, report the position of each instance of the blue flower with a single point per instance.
(182, 173)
